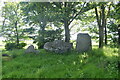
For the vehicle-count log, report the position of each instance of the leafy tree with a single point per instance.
(68, 11)
(39, 16)
(101, 20)
(62, 12)
(113, 24)
(112, 32)
(106, 18)
(12, 23)
(117, 17)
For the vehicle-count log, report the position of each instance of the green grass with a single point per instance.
(98, 63)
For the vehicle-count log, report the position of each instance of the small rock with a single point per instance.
(31, 49)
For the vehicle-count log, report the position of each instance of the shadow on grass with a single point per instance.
(97, 63)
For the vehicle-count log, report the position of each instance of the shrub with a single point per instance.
(11, 46)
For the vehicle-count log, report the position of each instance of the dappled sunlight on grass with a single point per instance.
(110, 52)
(92, 64)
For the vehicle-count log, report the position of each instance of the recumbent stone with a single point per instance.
(58, 46)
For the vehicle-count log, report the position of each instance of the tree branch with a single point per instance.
(97, 16)
(77, 13)
(108, 12)
(103, 15)
(3, 23)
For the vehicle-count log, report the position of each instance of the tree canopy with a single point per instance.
(39, 19)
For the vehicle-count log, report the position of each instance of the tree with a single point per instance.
(62, 12)
(117, 17)
(12, 23)
(107, 16)
(119, 34)
(67, 12)
(114, 22)
(101, 20)
(40, 15)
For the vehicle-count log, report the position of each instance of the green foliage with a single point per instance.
(112, 33)
(41, 15)
(115, 12)
(11, 46)
(12, 26)
(21, 45)
(48, 36)
(98, 63)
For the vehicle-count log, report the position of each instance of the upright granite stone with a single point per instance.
(58, 46)
(83, 42)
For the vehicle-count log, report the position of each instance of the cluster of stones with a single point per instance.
(83, 44)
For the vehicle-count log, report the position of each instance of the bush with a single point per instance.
(11, 46)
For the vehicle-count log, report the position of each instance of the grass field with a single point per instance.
(98, 63)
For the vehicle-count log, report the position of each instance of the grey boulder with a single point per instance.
(31, 49)
(58, 46)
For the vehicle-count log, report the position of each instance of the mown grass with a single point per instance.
(98, 63)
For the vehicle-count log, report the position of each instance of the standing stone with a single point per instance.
(83, 42)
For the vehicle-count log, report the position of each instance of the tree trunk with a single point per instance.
(103, 25)
(3, 24)
(17, 36)
(41, 32)
(119, 39)
(105, 33)
(101, 28)
(119, 34)
(67, 31)
(101, 36)
(106, 24)
(16, 28)
(66, 24)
